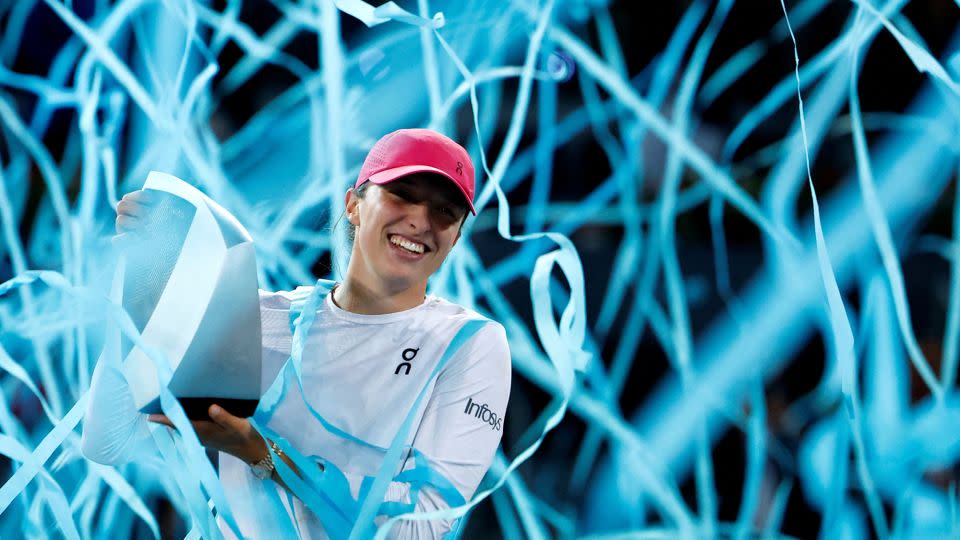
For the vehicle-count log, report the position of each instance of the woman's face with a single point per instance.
(405, 229)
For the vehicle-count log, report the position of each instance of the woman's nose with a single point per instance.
(418, 215)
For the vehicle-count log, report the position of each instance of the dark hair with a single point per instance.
(359, 192)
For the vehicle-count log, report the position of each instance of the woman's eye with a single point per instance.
(447, 213)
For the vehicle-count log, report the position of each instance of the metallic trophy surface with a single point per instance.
(189, 282)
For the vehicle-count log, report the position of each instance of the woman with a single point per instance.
(376, 343)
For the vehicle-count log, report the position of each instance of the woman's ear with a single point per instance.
(352, 203)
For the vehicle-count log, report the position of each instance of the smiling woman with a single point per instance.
(414, 187)
(412, 222)
(378, 367)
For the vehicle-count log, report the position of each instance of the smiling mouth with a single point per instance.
(408, 245)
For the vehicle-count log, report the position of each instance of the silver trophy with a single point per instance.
(189, 282)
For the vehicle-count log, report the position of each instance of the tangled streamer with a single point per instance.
(204, 91)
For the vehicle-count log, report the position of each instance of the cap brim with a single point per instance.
(389, 175)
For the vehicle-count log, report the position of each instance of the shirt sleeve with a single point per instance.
(461, 426)
(114, 431)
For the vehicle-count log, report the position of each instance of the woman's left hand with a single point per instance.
(226, 433)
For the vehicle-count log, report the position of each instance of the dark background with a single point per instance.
(888, 83)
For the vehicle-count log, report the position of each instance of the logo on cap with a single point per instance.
(460, 168)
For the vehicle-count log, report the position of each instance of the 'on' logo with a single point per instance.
(408, 355)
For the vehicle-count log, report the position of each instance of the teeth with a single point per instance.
(407, 244)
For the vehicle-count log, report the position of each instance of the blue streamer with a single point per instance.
(139, 85)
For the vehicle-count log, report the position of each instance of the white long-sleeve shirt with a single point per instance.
(362, 373)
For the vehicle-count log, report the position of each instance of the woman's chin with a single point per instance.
(398, 279)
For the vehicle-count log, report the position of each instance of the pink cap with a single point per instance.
(409, 151)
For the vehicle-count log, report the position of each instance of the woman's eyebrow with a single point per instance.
(446, 199)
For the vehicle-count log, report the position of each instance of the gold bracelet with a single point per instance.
(280, 454)
(276, 449)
